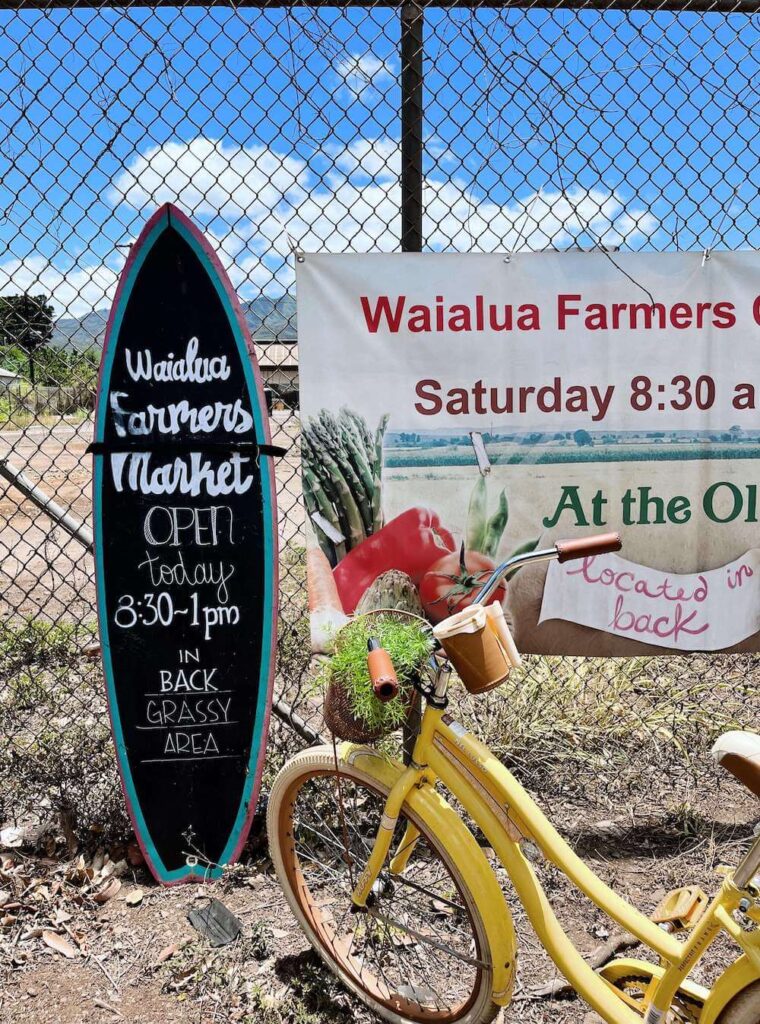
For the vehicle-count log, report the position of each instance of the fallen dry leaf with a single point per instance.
(11, 837)
(107, 1006)
(108, 869)
(134, 855)
(120, 868)
(107, 891)
(59, 944)
(166, 953)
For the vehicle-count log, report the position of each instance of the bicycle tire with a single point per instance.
(407, 1003)
(744, 1008)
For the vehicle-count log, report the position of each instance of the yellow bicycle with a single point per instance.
(393, 891)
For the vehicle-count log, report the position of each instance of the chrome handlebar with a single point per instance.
(563, 551)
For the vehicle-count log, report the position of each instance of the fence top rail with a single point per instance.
(650, 6)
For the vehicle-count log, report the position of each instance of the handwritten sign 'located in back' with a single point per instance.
(185, 551)
(704, 611)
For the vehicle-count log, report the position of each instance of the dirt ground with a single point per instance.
(136, 958)
(66, 958)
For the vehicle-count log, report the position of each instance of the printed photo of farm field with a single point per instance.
(535, 471)
(453, 448)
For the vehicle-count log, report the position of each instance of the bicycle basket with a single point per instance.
(352, 712)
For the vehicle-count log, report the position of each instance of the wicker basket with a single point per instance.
(338, 713)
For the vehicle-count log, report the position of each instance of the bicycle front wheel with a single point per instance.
(744, 1008)
(419, 952)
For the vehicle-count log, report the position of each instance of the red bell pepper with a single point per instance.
(411, 543)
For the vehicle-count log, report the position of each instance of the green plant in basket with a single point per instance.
(408, 642)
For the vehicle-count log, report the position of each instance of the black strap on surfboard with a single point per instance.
(135, 445)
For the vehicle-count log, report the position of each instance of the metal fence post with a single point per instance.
(412, 118)
(412, 146)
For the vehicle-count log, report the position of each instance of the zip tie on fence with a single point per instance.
(295, 248)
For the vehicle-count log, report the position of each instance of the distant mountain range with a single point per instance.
(268, 320)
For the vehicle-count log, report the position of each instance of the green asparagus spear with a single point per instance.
(328, 434)
(356, 454)
(476, 516)
(312, 508)
(495, 527)
(362, 432)
(311, 449)
(377, 472)
(344, 499)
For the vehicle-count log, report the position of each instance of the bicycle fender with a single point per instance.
(733, 981)
(468, 857)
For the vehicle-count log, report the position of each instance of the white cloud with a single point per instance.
(210, 178)
(75, 291)
(366, 77)
(262, 196)
(253, 198)
(379, 159)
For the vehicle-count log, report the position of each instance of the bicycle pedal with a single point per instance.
(681, 909)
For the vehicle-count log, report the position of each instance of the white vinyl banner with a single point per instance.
(513, 401)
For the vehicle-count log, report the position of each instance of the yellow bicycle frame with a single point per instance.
(503, 810)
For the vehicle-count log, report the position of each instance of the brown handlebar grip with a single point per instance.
(587, 547)
(382, 675)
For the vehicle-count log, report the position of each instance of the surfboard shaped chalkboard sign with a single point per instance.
(185, 550)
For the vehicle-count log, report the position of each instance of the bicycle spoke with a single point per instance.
(428, 941)
(388, 947)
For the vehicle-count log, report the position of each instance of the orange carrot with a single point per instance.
(325, 610)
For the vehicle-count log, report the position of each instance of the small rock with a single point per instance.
(11, 837)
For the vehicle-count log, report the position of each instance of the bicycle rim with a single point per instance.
(419, 952)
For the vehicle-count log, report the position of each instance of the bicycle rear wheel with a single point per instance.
(419, 953)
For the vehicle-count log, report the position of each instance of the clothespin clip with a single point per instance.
(484, 463)
(706, 255)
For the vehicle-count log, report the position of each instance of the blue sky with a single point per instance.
(541, 129)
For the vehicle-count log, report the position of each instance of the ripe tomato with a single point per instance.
(452, 583)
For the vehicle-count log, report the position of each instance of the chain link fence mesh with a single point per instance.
(274, 127)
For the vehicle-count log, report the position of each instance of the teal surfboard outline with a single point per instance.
(164, 219)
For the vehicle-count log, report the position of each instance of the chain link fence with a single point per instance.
(356, 128)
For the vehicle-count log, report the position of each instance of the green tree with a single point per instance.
(582, 438)
(26, 321)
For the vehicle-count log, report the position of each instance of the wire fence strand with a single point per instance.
(482, 127)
